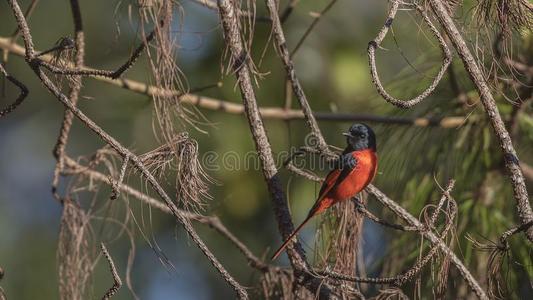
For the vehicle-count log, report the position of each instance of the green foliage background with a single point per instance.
(333, 68)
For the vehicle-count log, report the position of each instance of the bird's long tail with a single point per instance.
(287, 241)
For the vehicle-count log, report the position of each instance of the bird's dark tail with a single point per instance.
(287, 241)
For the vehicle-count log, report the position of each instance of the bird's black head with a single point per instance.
(360, 137)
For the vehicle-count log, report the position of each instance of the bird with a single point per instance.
(354, 169)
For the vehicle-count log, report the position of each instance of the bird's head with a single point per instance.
(360, 137)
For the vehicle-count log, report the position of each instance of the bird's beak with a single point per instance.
(347, 134)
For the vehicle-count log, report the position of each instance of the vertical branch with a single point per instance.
(240, 61)
(512, 162)
(239, 58)
(79, 42)
(115, 192)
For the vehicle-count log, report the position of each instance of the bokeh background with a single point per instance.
(333, 68)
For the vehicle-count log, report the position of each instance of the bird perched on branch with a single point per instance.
(354, 170)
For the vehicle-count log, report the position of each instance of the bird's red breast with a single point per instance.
(358, 178)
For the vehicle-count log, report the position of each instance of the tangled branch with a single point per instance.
(376, 42)
(136, 162)
(512, 163)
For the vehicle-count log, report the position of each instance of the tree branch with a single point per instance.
(64, 131)
(377, 42)
(512, 163)
(283, 52)
(435, 240)
(116, 278)
(240, 60)
(136, 162)
(23, 93)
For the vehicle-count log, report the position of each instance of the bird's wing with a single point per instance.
(343, 167)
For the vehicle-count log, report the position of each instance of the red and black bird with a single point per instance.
(354, 170)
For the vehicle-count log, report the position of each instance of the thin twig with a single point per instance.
(445, 196)
(317, 18)
(380, 221)
(283, 52)
(64, 131)
(117, 283)
(513, 231)
(288, 10)
(115, 192)
(23, 93)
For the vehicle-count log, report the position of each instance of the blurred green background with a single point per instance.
(332, 66)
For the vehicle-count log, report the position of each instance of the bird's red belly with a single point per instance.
(359, 178)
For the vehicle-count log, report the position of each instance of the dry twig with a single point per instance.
(23, 93)
(377, 42)
(116, 278)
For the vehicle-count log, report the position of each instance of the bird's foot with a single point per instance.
(359, 205)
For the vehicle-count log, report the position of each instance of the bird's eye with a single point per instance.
(362, 135)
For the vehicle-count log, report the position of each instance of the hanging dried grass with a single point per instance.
(341, 232)
(281, 284)
(181, 156)
(74, 252)
(391, 294)
(497, 253)
(166, 73)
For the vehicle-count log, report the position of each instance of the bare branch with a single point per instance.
(434, 239)
(81, 71)
(120, 149)
(377, 220)
(116, 278)
(23, 93)
(115, 192)
(62, 139)
(317, 17)
(377, 42)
